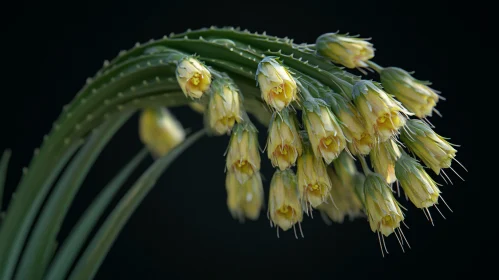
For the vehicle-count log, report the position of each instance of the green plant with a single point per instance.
(214, 70)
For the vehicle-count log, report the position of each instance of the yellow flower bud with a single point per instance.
(243, 157)
(284, 204)
(313, 183)
(324, 132)
(244, 200)
(415, 95)
(382, 209)
(193, 77)
(383, 156)
(277, 86)
(416, 183)
(283, 142)
(346, 202)
(348, 51)
(381, 112)
(359, 141)
(198, 107)
(431, 148)
(160, 131)
(223, 107)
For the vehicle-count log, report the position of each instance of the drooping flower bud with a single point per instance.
(313, 183)
(344, 200)
(416, 183)
(193, 77)
(283, 142)
(160, 131)
(324, 132)
(348, 51)
(359, 141)
(277, 86)
(383, 156)
(431, 148)
(284, 205)
(381, 112)
(414, 94)
(382, 209)
(243, 157)
(223, 107)
(244, 200)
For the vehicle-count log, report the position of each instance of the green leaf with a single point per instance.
(34, 186)
(33, 263)
(11, 260)
(4, 162)
(100, 245)
(76, 239)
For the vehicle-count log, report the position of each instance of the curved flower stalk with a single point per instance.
(214, 70)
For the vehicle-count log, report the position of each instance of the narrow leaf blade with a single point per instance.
(34, 259)
(100, 245)
(74, 242)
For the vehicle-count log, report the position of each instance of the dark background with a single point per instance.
(183, 227)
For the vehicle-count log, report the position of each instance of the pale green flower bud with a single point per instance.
(313, 182)
(346, 203)
(193, 77)
(223, 107)
(284, 145)
(359, 141)
(277, 86)
(383, 156)
(416, 183)
(243, 156)
(431, 148)
(285, 209)
(160, 131)
(382, 209)
(348, 51)
(244, 200)
(345, 167)
(414, 94)
(324, 132)
(383, 115)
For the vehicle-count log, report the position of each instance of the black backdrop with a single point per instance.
(183, 227)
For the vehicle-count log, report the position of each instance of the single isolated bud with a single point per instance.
(383, 156)
(277, 86)
(160, 131)
(416, 183)
(431, 148)
(381, 112)
(414, 94)
(350, 52)
(313, 182)
(284, 205)
(359, 141)
(244, 200)
(283, 143)
(243, 157)
(193, 77)
(223, 106)
(324, 132)
(382, 209)
(344, 202)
